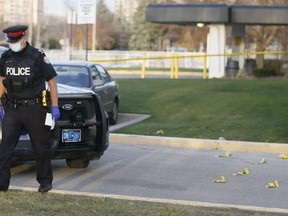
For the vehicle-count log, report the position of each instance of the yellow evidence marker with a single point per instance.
(220, 180)
(244, 172)
(273, 184)
(227, 154)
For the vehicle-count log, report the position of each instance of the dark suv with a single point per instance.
(93, 76)
(80, 135)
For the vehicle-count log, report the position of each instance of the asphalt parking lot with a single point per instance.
(175, 171)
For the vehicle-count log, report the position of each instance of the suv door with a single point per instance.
(109, 87)
(98, 86)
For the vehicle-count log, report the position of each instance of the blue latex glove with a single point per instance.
(1, 112)
(55, 112)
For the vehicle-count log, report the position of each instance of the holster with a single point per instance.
(46, 101)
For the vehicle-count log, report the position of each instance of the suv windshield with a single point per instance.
(77, 76)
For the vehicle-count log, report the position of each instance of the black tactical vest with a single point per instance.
(23, 76)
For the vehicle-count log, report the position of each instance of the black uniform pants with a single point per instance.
(32, 118)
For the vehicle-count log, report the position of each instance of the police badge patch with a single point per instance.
(46, 60)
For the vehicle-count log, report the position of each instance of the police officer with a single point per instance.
(23, 72)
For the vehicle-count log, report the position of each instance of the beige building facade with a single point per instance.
(126, 9)
(28, 12)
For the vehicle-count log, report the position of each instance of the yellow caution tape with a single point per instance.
(220, 180)
(273, 184)
(283, 156)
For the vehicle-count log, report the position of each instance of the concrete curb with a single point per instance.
(194, 204)
(129, 120)
(225, 145)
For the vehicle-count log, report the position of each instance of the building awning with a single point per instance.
(185, 14)
(259, 15)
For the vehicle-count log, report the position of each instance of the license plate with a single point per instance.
(71, 135)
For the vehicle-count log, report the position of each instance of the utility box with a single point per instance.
(232, 68)
(250, 65)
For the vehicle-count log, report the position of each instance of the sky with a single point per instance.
(58, 6)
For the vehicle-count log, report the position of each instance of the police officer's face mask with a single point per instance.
(16, 47)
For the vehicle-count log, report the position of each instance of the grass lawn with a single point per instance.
(246, 110)
(20, 203)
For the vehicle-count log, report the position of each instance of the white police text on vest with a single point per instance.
(21, 71)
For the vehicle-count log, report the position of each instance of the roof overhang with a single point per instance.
(184, 14)
(259, 15)
(187, 13)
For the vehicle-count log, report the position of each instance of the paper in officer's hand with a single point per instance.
(49, 121)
